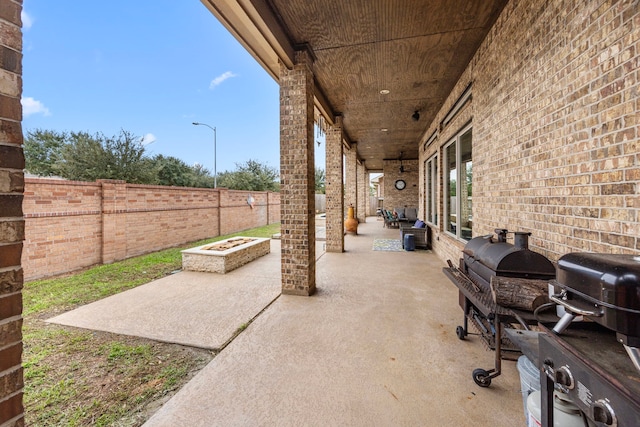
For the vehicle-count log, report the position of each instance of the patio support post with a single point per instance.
(333, 187)
(297, 177)
(12, 223)
(351, 181)
(361, 186)
(367, 199)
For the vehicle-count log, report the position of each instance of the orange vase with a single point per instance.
(351, 224)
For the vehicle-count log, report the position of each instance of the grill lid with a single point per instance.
(497, 257)
(613, 279)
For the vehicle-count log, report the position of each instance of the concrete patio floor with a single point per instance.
(375, 346)
(190, 308)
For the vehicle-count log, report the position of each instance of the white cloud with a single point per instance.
(31, 106)
(27, 21)
(147, 139)
(222, 77)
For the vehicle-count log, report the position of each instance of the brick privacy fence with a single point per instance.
(71, 225)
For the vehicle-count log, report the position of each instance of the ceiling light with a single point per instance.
(384, 130)
(416, 115)
(384, 91)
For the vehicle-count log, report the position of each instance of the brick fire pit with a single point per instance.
(226, 255)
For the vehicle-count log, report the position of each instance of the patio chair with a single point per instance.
(422, 235)
(401, 215)
(385, 217)
(389, 220)
(411, 214)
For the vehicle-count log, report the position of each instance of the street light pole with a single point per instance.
(215, 174)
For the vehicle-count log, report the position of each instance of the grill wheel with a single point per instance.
(481, 377)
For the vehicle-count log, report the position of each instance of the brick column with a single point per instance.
(333, 188)
(367, 184)
(361, 210)
(114, 222)
(297, 177)
(11, 218)
(351, 184)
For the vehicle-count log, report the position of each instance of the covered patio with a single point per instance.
(482, 114)
(372, 76)
(374, 347)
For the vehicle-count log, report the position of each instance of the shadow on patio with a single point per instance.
(375, 346)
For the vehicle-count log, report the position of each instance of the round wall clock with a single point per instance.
(400, 184)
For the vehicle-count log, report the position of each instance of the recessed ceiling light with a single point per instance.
(384, 91)
(384, 130)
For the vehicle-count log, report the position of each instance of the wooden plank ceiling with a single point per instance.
(414, 49)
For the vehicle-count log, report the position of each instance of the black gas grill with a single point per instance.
(606, 289)
(483, 258)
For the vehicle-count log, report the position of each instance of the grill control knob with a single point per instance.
(603, 413)
(564, 377)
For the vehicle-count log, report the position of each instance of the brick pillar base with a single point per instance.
(297, 178)
(333, 188)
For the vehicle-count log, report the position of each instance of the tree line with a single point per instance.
(81, 156)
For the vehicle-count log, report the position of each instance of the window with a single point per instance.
(430, 176)
(458, 179)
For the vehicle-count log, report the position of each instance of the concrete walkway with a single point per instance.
(376, 346)
(190, 308)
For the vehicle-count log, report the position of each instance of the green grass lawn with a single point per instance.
(77, 377)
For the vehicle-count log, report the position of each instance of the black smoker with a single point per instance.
(485, 257)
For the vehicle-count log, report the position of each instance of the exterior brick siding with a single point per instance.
(71, 225)
(554, 110)
(11, 221)
(394, 198)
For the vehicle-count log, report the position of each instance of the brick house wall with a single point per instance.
(11, 221)
(71, 225)
(393, 197)
(555, 107)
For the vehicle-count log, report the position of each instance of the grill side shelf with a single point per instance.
(482, 299)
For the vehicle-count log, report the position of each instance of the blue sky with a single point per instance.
(151, 68)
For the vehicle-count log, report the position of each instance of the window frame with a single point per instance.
(431, 199)
(460, 178)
